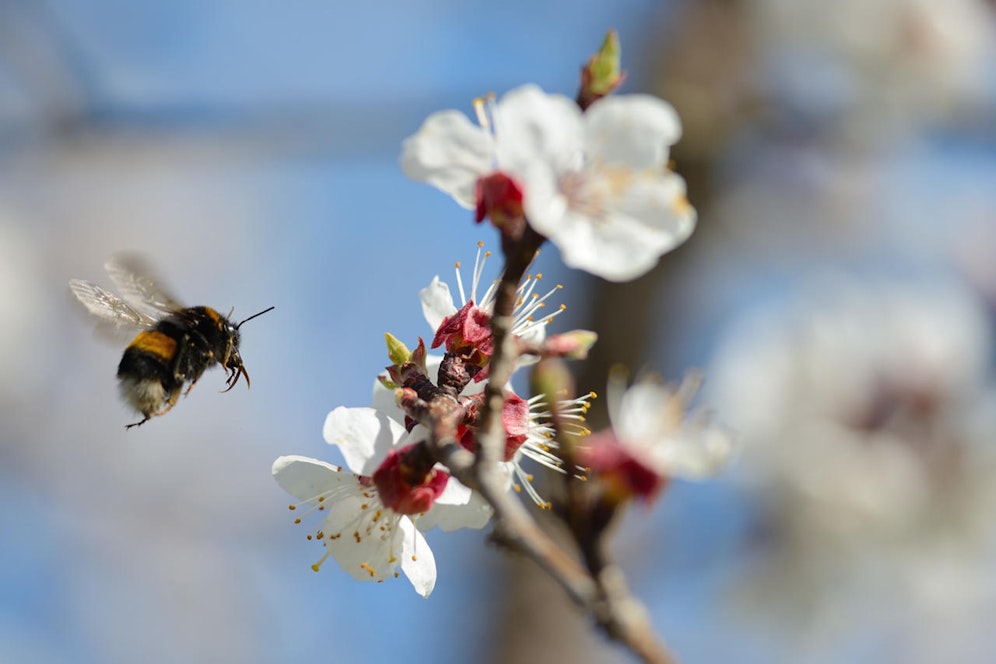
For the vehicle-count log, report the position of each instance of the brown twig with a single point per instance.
(597, 587)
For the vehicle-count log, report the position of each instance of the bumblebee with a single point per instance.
(175, 344)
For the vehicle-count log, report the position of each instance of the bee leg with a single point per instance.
(140, 422)
(173, 398)
(193, 381)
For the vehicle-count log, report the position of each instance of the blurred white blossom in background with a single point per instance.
(866, 411)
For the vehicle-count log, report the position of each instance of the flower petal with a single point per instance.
(382, 400)
(417, 561)
(364, 435)
(646, 409)
(631, 130)
(450, 153)
(617, 224)
(693, 453)
(363, 537)
(534, 127)
(475, 513)
(437, 303)
(306, 478)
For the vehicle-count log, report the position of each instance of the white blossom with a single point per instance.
(597, 184)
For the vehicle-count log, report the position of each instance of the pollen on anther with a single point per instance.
(516, 488)
(370, 570)
(356, 536)
(396, 575)
(292, 507)
(315, 567)
(321, 499)
(414, 557)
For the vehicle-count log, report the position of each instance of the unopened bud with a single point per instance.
(573, 345)
(602, 75)
(397, 352)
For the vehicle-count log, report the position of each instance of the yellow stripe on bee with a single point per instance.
(213, 315)
(155, 343)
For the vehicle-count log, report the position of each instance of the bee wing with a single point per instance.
(138, 285)
(115, 316)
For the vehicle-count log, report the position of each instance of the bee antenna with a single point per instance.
(239, 324)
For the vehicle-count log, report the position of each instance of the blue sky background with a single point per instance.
(250, 149)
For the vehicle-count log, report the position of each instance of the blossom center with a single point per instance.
(406, 481)
(583, 197)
